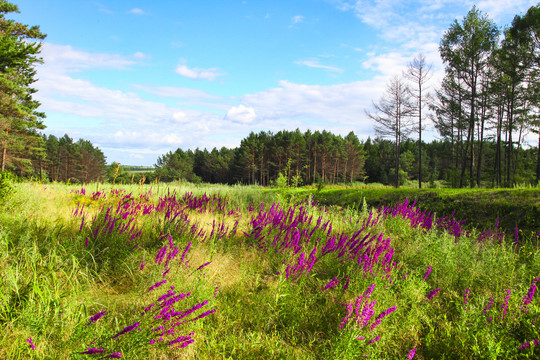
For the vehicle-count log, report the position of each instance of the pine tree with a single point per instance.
(19, 118)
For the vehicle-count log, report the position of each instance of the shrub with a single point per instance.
(6, 184)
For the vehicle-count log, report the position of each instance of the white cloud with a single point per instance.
(340, 106)
(180, 117)
(177, 92)
(387, 64)
(316, 64)
(197, 73)
(241, 114)
(297, 19)
(64, 58)
(136, 11)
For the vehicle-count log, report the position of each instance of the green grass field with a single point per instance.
(237, 272)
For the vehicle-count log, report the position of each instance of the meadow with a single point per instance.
(236, 272)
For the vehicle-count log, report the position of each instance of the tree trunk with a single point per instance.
(538, 161)
(4, 151)
(396, 170)
(419, 134)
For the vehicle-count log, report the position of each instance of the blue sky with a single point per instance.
(141, 78)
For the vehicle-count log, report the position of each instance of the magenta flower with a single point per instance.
(433, 293)
(529, 343)
(203, 265)
(375, 339)
(91, 351)
(126, 330)
(331, 284)
(381, 316)
(31, 343)
(504, 306)
(466, 298)
(527, 299)
(114, 355)
(96, 317)
(428, 271)
(411, 353)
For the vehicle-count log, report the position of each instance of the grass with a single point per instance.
(256, 274)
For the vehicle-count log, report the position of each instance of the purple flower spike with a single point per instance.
(527, 299)
(331, 284)
(203, 265)
(125, 331)
(31, 343)
(375, 339)
(428, 271)
(466, 298)
(91, 351)
(381, 316)
(115, 355)
(96, 317)
(433, 293)
(411, 353)
(504, 306)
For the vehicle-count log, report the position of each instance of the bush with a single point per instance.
(6, 184)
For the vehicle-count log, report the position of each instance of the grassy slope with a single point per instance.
(479, 207)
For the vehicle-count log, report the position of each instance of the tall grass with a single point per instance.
(208, 272)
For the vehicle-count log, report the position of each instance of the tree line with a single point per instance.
(293, 157)
(287, 159)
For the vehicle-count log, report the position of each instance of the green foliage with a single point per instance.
(281, 181)
(6, 184)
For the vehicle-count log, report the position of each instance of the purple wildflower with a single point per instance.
(142, 265)
(433, 293)
(331, 284)
(96, 317)
(529, 343)
(203, 265)
(504, 306)
(375, 339)
(86, 242)
(183, 340)
(428, 271)
(381, 316)
(411, 353)
(126, 330)
(204, 314)
(31, 343)
(91, 351)
(527, 299)
(185, 252)
(466, 298)
(114, 355)
(156, 285)
(488, 306)
(346, 285)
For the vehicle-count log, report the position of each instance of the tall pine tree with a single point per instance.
(19, 118)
